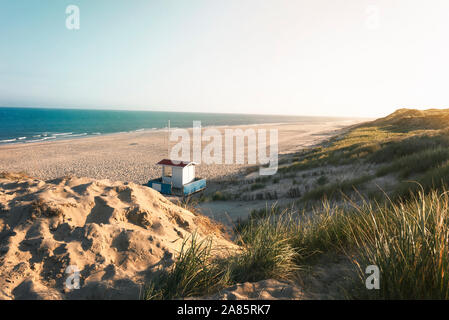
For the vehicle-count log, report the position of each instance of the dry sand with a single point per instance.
(132, 156)
(263, 290)
(116, 234)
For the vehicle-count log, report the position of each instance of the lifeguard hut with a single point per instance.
(178, 178)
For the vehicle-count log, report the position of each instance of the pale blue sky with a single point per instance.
(316, 57)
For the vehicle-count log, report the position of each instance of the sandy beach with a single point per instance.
(80, 205)
(132, 157)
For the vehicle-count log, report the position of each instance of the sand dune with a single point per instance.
(115, 233)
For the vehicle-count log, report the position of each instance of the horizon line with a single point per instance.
(198, 112)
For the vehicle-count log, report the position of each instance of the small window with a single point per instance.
(167, 171)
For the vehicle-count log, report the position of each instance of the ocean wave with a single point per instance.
(7, 140)
(78, 135)
(63, 134)
(21, 138)
(41, 139)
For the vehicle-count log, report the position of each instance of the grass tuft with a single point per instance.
(336, 190)
(268, 251)
(194, 273)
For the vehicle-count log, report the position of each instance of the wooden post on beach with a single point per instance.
(168, 140)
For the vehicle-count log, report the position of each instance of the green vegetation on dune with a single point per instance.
(336, 190)
(411, 119)
(415, 163)
(433, 179)
(194, 273)
(257, 186)
(409, 144)
(405, 233)
(407, 240)
(267, 251)
(266, 254)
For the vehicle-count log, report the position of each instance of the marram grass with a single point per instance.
(407, 239)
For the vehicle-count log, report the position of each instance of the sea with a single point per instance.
(28, 125)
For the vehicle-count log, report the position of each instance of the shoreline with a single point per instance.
(65, 136)
(132, 156)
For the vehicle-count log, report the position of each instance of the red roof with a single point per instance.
(174, 163)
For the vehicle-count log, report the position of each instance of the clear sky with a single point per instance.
(314, 57)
